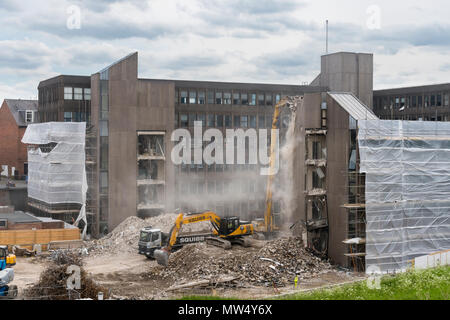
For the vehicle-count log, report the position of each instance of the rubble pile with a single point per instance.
(125, 237)
(276, 264)
(53, 281)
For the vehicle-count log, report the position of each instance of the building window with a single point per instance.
(228, 121)
(192, 119)
(427, 101)
(244, 99)
(29, 116)
(261, 99)
(218, 97)
(201, 97)
(419, 101)
(219, 120)
(244, 121)
(184, 120)
(227, 98)
(252, 121)
(446, 100)
(252, 99)
(210, 97)
(192, 97)
(261, 121)
(268, 122)
(202, 118)
(67, 116)
(277, 98)
(414, 101)
(439, 100)
(68, 93)
(236, 99)
(237, 121)
(87, 94)
(269, 100)
(211, 120)
(78, 94)
(183, 97)
(433, 100)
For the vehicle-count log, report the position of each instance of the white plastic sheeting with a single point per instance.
(58, 176)
(407, 166)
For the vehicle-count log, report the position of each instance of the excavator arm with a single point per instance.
(268, 216)
(181, 220)
(226, 230)
(162, 256)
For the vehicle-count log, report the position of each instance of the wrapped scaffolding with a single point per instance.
(407, 166)
(56, 166)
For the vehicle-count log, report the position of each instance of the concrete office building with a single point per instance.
(134, 119)
(427, 103)
(131, 121)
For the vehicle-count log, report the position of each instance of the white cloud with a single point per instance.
(252, 41)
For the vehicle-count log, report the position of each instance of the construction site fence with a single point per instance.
(44, 237)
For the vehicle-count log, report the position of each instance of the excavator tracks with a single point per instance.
(219, 242)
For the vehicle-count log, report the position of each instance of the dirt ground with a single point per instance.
(127, 275)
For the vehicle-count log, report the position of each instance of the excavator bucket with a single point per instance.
(162, 257)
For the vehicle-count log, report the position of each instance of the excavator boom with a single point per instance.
(268, 216)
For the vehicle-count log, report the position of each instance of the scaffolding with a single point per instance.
(407, 167)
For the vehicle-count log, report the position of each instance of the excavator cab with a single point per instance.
(229, 225)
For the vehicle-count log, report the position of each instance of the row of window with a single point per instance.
(416, 118)
(412, 101)
(184, 120)
(225, 97)
(76, 117)
(77, 93)
(216, 167)
(220, 187)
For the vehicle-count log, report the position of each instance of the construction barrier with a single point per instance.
(436, 259)
(28, 238)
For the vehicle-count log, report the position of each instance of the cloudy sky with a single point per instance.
(267, 41)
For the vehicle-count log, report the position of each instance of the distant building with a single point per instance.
(427, 103)
(15, 115)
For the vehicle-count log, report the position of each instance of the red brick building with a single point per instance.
(15, 115)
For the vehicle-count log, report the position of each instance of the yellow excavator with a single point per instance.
(267, 227)
(226, 231)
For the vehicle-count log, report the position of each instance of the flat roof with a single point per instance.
(19, 217)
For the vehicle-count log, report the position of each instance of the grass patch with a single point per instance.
(206, 298)
(430, 284)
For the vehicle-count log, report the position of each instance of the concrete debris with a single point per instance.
(288, 258)
(125, 237)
